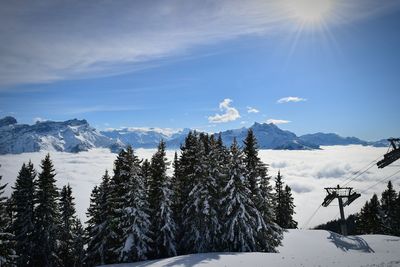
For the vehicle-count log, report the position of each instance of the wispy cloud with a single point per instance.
(252, 110)
(38, 46)
(229, 113)
(290, 99)
(275, 121)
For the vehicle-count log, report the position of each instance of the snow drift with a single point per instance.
(300, 248)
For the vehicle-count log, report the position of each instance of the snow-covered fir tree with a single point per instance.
(23, 224)
(253, 165)
(46, 216)
(7, 252)
(183, 185)
(198, 211)
(67, 218)
(134, 223)
(388, 204)
(99, 229)
(163, 226)
(270, 235)
(243, 221)
(217, 170)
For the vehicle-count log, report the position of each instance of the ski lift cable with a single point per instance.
(380, 181)
(311, 217)
(360, 171)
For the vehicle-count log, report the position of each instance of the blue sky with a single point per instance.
(205, 64)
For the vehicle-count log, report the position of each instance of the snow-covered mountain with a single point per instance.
(269, 136)
(77, 135)
(147, 137)
(331, 139)
(69, 136)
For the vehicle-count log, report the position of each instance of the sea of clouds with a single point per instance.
(306, 172)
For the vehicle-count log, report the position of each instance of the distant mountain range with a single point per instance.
(77, 135)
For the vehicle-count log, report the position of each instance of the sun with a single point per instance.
(312, 12)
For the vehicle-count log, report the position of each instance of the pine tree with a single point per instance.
(78, 243)
(67, 219)
(243, 220)
(160, 200)
(134, 223)
(7, 252)
(99, 225)
(388, 202)
(46, 216)
(23, 208)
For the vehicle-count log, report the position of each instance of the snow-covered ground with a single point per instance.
(307, 172)
(300, 248)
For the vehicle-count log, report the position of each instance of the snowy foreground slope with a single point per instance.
(300, 248)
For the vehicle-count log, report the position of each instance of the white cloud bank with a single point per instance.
(276, 121)
(290, 99)
(100, 38)
(229, 113)
(307, 172)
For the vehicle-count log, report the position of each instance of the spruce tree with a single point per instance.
(184, 184)
(67, 219)
(46, 216)
(160, 200)
(134, 223)
(396, 216)
(253, 165)
(100, 235)
(371, 217)
(290, 223)
(279, 201)
(120, 185)
(23, 224)
(243, 220)
(388, 202)
(7, 252)
(217, 172)
(199, 211)
(270, 235)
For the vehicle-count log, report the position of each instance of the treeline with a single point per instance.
(218, 199)
(377, 216)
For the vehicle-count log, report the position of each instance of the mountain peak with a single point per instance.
(8, 120)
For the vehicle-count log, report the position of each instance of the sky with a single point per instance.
(306, 65)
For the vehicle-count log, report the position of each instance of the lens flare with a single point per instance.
(310, 11)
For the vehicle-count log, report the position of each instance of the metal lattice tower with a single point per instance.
(345, 197)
